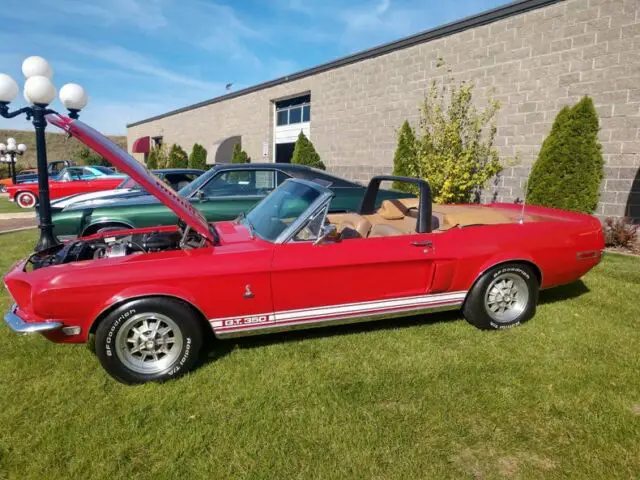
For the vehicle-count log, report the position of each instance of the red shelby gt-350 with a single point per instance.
(151, 295)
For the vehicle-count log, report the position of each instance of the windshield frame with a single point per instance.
(323, 199)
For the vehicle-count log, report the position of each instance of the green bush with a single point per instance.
(177, 157)
(86, 156)
(569, 168)
(239, 155)
(198, 157)
(455, 151)
(405, 158)
(157, 158)
(304, 153)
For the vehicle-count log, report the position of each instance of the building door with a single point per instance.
(284, 152)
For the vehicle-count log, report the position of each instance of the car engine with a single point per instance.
(112, 246)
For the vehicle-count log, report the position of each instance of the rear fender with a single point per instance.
(509, 257)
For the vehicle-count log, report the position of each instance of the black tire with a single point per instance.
(118, 329)
(477, 308)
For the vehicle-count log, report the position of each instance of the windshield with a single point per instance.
(280, 209)
(104, 170)
(194, 186)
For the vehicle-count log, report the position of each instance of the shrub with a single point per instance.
(177, 157)
(405, 158)
(569, 168)
(198, 157)
(157, 157)
(455, 151)
(620, 232)
(304, 153)
(86, 156)
(239, 155)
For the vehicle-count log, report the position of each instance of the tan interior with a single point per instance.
(399, 217)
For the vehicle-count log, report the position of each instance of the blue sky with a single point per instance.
(138, 58)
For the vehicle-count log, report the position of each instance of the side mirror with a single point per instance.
(200, 195)
(328, 232)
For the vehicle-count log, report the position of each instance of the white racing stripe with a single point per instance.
(271, 319)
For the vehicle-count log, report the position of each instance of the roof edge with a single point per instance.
(480, 19)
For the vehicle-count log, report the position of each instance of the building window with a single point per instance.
(157, 141)
(293, 111)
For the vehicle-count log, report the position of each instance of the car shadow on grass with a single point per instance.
(564, 292)
(220, 348)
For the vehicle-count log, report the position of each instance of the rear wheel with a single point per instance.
(26, 200)
(503, 297)
(151, 339)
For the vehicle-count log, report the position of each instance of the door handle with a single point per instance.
(422, 243)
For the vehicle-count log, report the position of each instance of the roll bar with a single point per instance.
(368, 205)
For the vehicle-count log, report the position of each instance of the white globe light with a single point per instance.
(8, 88)
(11, 147)
(3, 148)
(11, 140)
(22, 147)
(73, 96)
(39, 90)
(36, 67)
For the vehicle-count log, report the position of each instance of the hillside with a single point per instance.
(59, 147)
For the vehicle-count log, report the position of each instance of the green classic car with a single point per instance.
(222, 193)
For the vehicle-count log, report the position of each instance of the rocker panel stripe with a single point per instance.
(337, 312)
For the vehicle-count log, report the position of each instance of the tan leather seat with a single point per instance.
(384, 230)
(351, 225)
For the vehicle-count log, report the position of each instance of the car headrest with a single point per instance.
(392, 210)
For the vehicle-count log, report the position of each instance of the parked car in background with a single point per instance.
(222, 193)
(152, 296)
(176, 178)
(69, 181)
(31, 174)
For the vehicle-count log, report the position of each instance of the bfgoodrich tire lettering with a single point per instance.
(150, 339)
(504, 297)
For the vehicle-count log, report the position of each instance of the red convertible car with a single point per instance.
(151, 296)
(70, 181)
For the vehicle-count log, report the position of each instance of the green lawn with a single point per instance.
(414, 398)
(10, 207)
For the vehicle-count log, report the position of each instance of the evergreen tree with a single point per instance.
(198, 157)
(569, 168)
(239, 155)
(152, 159)
(405, 160)
(304, 153)
(177, 157)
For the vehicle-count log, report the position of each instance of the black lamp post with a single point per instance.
(10, 150)
(39, 91)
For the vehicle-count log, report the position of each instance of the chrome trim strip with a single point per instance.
(335, 314)
(338, 321)
(21, 327)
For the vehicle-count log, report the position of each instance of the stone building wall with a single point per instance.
(534, 63)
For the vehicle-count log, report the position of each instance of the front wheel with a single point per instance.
(503, 297)
(26, 200)
(151, 339)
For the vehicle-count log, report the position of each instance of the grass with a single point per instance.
(59, 146)
(10, 207)
(416, 398)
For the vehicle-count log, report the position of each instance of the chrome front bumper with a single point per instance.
(21, 327)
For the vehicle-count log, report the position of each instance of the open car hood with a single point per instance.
(126, 163)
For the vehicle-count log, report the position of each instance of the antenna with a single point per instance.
(524, 202)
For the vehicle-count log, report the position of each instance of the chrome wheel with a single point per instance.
(149, 343)
(26, 200)
(506, 298)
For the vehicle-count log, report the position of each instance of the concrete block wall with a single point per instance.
(533, 63)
